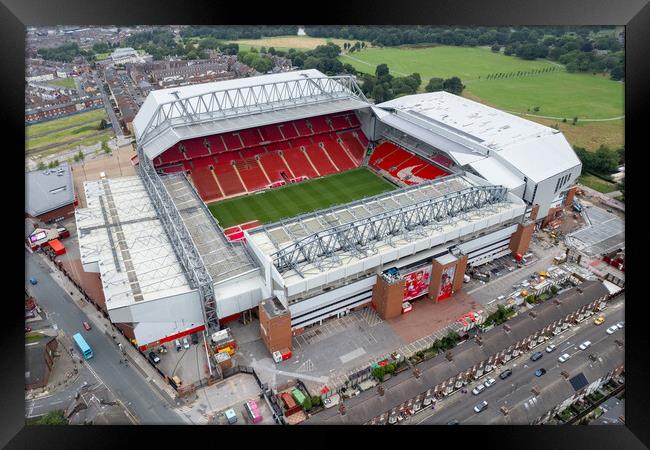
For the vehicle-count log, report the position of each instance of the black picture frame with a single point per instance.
(634, 14)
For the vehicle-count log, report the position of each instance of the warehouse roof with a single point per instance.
(47, 190)
(449, 121)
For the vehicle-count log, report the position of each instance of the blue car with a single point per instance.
(33, 280)
(540, 372)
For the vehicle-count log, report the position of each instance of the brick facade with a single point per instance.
(387, 298)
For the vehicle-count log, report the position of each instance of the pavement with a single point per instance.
(136, 389)
(515, 392)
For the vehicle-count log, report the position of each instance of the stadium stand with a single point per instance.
(257, 158)
(274, 166)
(298, 163)
(402, 165)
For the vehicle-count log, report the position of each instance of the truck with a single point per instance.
(482, 276)
(577, 207)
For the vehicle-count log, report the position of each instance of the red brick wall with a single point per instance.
(387, 298)
(520, 239)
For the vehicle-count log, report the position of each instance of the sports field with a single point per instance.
(63, 82)
(467, 63)
(289, 201)
(287, 42)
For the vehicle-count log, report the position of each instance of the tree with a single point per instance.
(316, 400)
(105, 147)
(271, 51)
(575, 121)
(55, 417)
(496, 48)
(102, 124)
(41, 166)
(381, 70)
(378, 373)
(53, 164)
(434, 85)
(453, 85)
(307, 404)
(80, 156)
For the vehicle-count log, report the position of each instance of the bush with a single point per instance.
(316, 400)
(55, 417)
(307, 404)
(41, 166)
(390, 368)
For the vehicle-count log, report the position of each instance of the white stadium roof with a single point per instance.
(170, 115)
(469, 132)
(121, 236)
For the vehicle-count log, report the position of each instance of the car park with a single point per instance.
(540, 372)
(550, 348)
(564, 358)
(153, 358)
(481, 406)
(585, 345)
(478, 389)
(86, 326)
(489, 382)
(179, 347)
(535, 356)
(505, 374)
(612, 329)
(186, 343)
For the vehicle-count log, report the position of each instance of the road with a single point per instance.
(516, 389)
(125, 382)
(107, 106)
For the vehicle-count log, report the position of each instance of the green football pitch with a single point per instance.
(291, 200)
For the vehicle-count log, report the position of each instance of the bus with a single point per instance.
(84, 348)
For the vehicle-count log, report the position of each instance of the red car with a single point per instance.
(87, 326)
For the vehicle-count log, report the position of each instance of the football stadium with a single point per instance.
(292, 197)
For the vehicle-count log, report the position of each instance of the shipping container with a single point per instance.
(298, 396)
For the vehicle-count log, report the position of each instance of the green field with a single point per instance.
(63, 82)
(597, 184)
(558, 94)
(467, 63)
(62, 134)
(292, 200)
(284, 43)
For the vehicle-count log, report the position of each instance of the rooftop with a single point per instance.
(451, 122)
(47, 190)
(357, 236)
(120, 232)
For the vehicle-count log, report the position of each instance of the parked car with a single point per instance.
(585, 345)
(195, 338)
(186, 343)
(86, 326)
(620, 325)
(453, 422)
(33, 280)
(550, 348)
(489, 382)
(28, 329)
(478, 389)
(599, 320)
(564, 358)
(505, 374)
(540, 372)
(481, 406)
(612, 329)
(535, 356)
(179, 347)
(153, 358)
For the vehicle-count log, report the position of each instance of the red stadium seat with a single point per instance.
(339, 156)
(319, 125)
(340, 123)
(228, 179)
(171, 156)
(403, 165)
(271, 133)
(274, 166)
(320, 160)
(288, 130)
(301, 141)
(232, 141)
(252, 175)
(299, 164)
(354, 121)
(277, 146)
(205, 184)
(195, 148)
(251, 152)
(250, 137)
(303, 129)
(216, 144)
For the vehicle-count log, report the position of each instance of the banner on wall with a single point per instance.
(417, 283)
(447, 282)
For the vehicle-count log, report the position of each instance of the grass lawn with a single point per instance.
(597, 184)
(33, 337)
(468, 63)
(287, 42)
(292, 200)
(558, 94)
(64, 82)
(57, 124)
